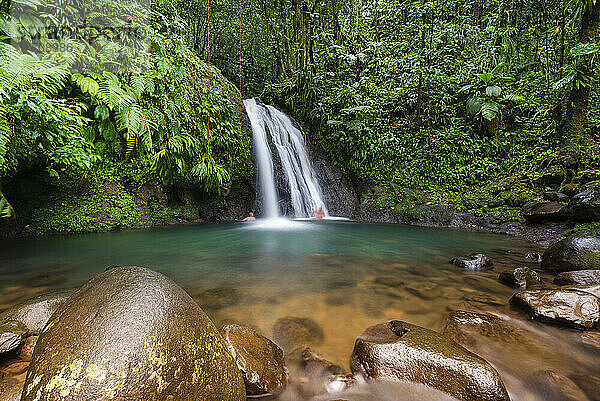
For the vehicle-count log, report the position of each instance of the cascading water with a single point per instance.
(270, 123)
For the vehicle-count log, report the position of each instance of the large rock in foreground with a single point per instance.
(259, 359)
(401, 351)
(573, 253)
(585, 206)
(131, 334)
(573, 308)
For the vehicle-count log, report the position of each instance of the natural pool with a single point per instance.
(344, 276)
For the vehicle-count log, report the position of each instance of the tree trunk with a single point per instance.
(574, 125)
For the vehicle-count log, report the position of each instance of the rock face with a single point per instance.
(475, 262)
(133, 334)
(585, 206)
(569, 307)
(578, 277)
(259, 359)
(35, 313)
(573, 253)
(537, 211)
(293, 332)
(401, 351)
(521, 277)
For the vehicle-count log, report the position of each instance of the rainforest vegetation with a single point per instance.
(479, 103)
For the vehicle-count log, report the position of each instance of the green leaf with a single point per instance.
(474, 105)
(583, 49)
(493, 91)
(101, 112)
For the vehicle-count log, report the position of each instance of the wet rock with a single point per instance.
(591, 339)
(578, 277)
(521, 277)
(589, 384)
(293, 332)
(539, 211)
(555, 196)
(259, 359)
(483, 298)
(464, 326)
(585, 206)
(340, 383)
(536, 257)
(35, 313)
(401, 351)
(555, 387)
(572, 308)
(25, 352)
(590, 289)
(11, 392)
(132, 333)
(12, 334)
(474, 262)
(312, 362)
(573, 253)
(570, 189)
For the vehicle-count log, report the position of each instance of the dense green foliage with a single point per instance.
(122, 90)
(453, 97)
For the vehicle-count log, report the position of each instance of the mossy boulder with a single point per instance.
(132, 334)
(577, 252)
(398, 350)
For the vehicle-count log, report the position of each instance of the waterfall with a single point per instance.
(271, 127)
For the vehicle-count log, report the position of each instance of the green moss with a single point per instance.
(593, 228)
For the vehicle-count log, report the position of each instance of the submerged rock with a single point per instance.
(591, 339)
(539, 211)
(133, 334)
(259, 359)
(589, 384)
(473, 262)
(569, 307)
(521, 277)
(585, 206)
(465, 327)
(555, 387)
(573, 253)
(401, 351)
(578, 277)
(292, 332)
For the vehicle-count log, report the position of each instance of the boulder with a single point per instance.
(539, 211)
(585, 206)
(570, 189)
(12, 334)
(590, 289)
(569, 307)
(293, 332)
(555, 196)
(35, 313)
(401, 351)
(554, 386)
(259, 359)
(573, 253)
(578, 277)
(521, 277)
(536, 257)
(475, 262)
(133, 334)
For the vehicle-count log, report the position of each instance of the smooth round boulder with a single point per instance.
(573, 253)
(585, 206)
(573, 308)
(259, 359)
(476, 262)
(35, 312)
(131, 334)
(398, 350)
(540, 211)
(578, 277)
(521, 277)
